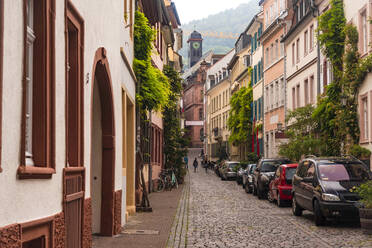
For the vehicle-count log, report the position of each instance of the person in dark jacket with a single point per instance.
(195, 164)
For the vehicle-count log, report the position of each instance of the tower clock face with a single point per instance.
(196, 45)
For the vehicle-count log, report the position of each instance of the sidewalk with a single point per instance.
(164, 207)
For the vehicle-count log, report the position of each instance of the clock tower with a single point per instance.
(195, 48)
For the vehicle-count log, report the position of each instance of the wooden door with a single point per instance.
(73, 205)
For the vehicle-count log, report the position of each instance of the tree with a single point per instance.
(175, 145)
(301, 130)
(152, 93)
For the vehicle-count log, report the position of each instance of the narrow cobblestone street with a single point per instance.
(221, 214)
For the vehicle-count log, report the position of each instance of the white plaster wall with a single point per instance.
(352, 9)
(299, 79)
(25, 200)
(304, 59)
(222, 63)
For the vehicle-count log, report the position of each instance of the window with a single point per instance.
(305, 43)
(201, 95)
(272, 53)
(298, 96)
(276, 94)
(298, 50)
(311, 89)
(276, 49)
(271, 96)
(267, 98)
(38, 119)
(311, 43)
(364, 32)
(306, 91)
(293, 54)
(293, 98)
(219, 105)
(267, 57)
(74, 88)
(200, 114)
(364, 118)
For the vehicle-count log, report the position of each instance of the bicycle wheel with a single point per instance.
(160, 185)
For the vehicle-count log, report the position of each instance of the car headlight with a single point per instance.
(330, 197)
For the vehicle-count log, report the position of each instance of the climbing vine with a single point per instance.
(239, 122)
(175, 144)
(336, 114)
(154, 88)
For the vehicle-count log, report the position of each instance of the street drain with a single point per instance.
(140, 232)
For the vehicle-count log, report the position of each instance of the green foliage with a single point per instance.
(360, 152)
(154, 87)
(251, 158)
(175, 145)
(301, 132)
(239, 121)
(365, 192)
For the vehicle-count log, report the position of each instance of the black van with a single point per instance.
(324, 186)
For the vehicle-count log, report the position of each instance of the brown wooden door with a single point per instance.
(73, 205)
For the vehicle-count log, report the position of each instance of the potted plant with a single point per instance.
(365, 210)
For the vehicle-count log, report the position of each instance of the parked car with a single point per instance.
(325, 187)
(240, 172)
(248, 178)
(217, 167)
(228, 170)
(280, 188)
(264, 173)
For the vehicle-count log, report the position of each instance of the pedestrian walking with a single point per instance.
(206, 166)
(195, 164)
(186, 159)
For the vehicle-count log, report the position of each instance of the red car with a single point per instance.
(280, 187)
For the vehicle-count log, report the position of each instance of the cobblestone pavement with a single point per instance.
(221, 214)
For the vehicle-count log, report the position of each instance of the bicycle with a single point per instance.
(167, 180)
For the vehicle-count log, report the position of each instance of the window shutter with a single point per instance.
(252, 111)
(251, 77)
(259, 108)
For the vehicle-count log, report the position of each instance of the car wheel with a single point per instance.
(254, 190)
(319, 218)
(279, 202)
(269, 198)
(259, 192)
(246, 188)
(296, 210)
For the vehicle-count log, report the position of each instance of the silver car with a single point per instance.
(229, 169)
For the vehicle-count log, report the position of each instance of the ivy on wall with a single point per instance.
(154, 86)
(239, 122)
(336, 114)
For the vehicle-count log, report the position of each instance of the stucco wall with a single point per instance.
(100, 31)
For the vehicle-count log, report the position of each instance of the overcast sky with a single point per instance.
(189, 10)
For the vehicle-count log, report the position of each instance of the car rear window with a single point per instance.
(253, 167)
(289, 173)
(343, 172)
(270, 166)
(233, 165)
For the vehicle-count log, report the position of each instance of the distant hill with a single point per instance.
(229, 21)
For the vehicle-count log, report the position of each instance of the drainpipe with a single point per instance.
(263, 101)
(149, 150)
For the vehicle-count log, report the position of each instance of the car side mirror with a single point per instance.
(308, 179)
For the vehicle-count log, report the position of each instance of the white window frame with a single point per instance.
(29, 81)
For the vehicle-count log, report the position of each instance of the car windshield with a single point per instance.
(343, 172)
(270, 166)
(289, 173)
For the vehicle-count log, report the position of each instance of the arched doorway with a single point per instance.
(102, 176)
